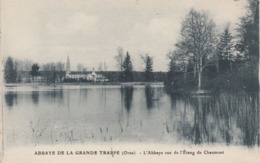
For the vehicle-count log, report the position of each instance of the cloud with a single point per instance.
(82, 23)
(90, 31)
(71, 30)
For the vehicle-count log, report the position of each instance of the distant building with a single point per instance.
(94, 77)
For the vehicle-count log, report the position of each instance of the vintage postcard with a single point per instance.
(130, 80)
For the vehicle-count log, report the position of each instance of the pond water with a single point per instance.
(45, 115)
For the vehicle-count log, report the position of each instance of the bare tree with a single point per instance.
(60, 67)
(80, 67)
(27, 65)
(105, 66)
(198, 39)
(35, 71)
(120, 60)
(23, 69)
(100, 67)
(49, 72)
(182, 57)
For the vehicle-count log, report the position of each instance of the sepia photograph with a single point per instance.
(130, 80)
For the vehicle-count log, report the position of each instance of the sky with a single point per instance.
(90, 31)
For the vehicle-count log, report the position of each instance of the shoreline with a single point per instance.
(83, 83)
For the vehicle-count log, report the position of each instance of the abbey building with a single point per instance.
(83, 76)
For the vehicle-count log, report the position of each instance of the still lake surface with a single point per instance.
(80, 114)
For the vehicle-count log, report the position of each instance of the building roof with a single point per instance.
(93, 73)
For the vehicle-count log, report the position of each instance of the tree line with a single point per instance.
(125, 66)
(55, 72)
(204, 59)
(16, 70)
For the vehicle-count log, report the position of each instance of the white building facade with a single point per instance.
(92, 77)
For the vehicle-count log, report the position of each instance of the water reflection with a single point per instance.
(223, 118)
(54, 95)
(103, 113)
(248, 119)
(35, 97)
(149, 96)
(200, 129)
(127, 96)
(239, 118)
(83, 93)
(174, 98)
(10, 99)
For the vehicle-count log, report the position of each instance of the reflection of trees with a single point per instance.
(127, 95)
(222, 118)
(214, 120)
(11, 98)
(173, 101)
(258, 118)
(248, 118)
(83, 93)
(54, 95)
(35, 97)
(104, 96)
(174, 97)
(153, 96)
(149, 95)
(238, 117)
(200, 129)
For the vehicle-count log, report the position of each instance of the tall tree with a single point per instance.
(50, 72)
(80, 67)
(127, 69)
(148, 61)
(172, 70)
(10, 73)
(198, 37)
(248, 33)
(102, 68)
(120, 60)
(60, 68)
(181, 56)
(225, 50)
(35, 71)
(174, 74)
(23, 69)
